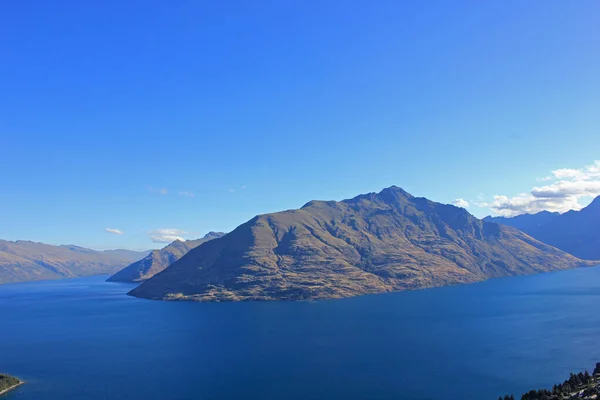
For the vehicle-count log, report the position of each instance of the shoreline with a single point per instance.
(5, 391)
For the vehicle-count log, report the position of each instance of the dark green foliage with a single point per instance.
(580, 385)
(7, 382)
(541, 394)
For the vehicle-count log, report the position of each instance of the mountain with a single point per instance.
(373, 243)
(158, 260)
(22, 261)
(528, 223)
(576, 232)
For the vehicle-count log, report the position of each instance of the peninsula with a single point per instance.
(8, 383)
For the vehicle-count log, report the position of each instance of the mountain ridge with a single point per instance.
(575, 232)
(372, 243)
(25, 260)
(158, 260)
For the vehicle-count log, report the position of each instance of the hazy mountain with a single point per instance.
(576, 232)
(158, 260)
(378, 242)
(27, 261)
(528, 223)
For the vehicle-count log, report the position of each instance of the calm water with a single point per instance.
(85, 339)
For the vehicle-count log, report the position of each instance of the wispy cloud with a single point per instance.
(461, 203)
(186, 194)
(167, 235)
(114, 231)
(152, 189)
(480, 200)
(241, 187)
(571, 184)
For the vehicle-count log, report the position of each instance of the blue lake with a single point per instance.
(85, 339)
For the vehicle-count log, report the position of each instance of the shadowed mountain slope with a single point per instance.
(531, 224)
(158, 260)
(576, 232)
(378, 242)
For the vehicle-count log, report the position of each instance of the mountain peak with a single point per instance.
(213, 235)
(395, 190)
(395, 196)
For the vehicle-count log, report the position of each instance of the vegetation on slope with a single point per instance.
(8, 382)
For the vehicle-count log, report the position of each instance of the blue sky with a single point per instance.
(196, 116)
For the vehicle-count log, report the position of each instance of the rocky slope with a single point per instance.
(158, 260)
(576, 232)
(22, 261)
(369, 244)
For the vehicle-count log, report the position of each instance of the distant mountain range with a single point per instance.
(158, 260)
(22, 261)
(373, 243)
(576, 232)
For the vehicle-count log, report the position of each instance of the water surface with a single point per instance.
(85, 339)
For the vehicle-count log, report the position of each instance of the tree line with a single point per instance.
(575, 383)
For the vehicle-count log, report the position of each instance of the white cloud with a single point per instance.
(115, 231)
(561, 196)
(461, 203)
(166, 238)
(163, 191)
(186, 194)
(565, 173)
(167, 235)
(529, 204)
(564, 188)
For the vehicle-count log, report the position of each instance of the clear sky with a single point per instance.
(143, 116)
